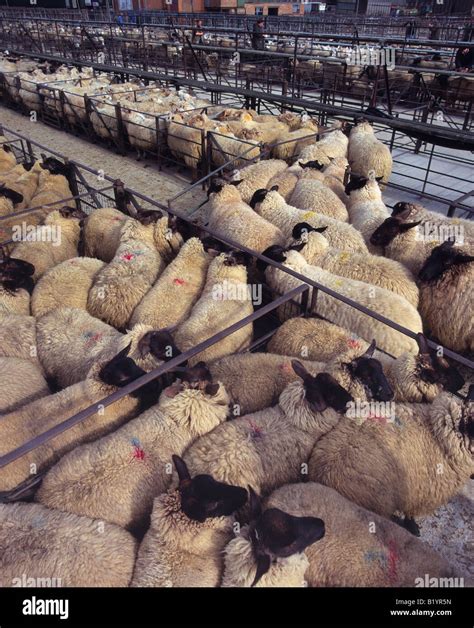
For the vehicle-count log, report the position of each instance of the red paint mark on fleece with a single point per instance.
(392, 561)
(138, 452)
(127, 257)
(256, 431)
(354, 344)
(179, 282)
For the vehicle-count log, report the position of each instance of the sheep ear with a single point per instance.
(235, 182)
(409, 225)
(263, 565)
(255, 504)
(274, 188)
(378, 179)
(334, 395)
(423, 348)
(300, 370)
(211, 389)
(181, 469)
(321, 229)
(370, 350)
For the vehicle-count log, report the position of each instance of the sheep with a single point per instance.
(227, 146)
(8, 200)
(52, 243)
(65, 285)
(438, 436)
(312, 339)
(171, 299)
(230, 217)
(406, 242)
(24, 183)
(69, 341)
(292, 142)
(312, 195)
(367, 211)
(20, 382)
(225, 300)
(446, 297)
(413, 378)
(35, 418)
(256, 380)
(7, 156)
(16, 285)
(367, 153)
(331, 176)
(102, 233)
(382, 554)
(121, 285)
(117, 477)
(257, 176)
(285, 182)
(38, 543)
(272, 206)
(18, 338)
(377, 299)
(190, 528)
(269, 448)
(333, 144)
(372, 269)
(461, 229)
(270, 551)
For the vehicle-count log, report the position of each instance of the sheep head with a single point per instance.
(390, 229)
(276, 534)
(443, 258)
(202, 497)
(322, 391)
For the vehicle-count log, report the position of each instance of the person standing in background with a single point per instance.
(258, 40)
(198, 33)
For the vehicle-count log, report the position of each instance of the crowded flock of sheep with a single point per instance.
(302, 464)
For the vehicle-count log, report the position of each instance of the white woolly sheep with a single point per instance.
(295, 140)
(333, 144)
(20, 382)
(257, 176)
(117, 477)
(382, 301)
(171, 299)
(255, 381)
(18, 338)
(230, 217)
(367, 153)
(102, 232)
(20, 426)
(382, 553)
(372, 269)
(273, 207)
(462, 230)
(52, 243)
(225, 300)
(408, 242)
(367, 211)
(313, 195)
(271, 447)
(446, 296)
(413, 378)
(65, 285)
(285, 182)
(314, 170)
(122, 284)
(40, 544)
(381, 449)
(189, 530)
(270, 551)
(70, 341)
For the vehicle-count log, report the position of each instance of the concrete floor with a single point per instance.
(450, 529)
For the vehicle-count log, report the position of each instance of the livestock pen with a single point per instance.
(267, 317)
